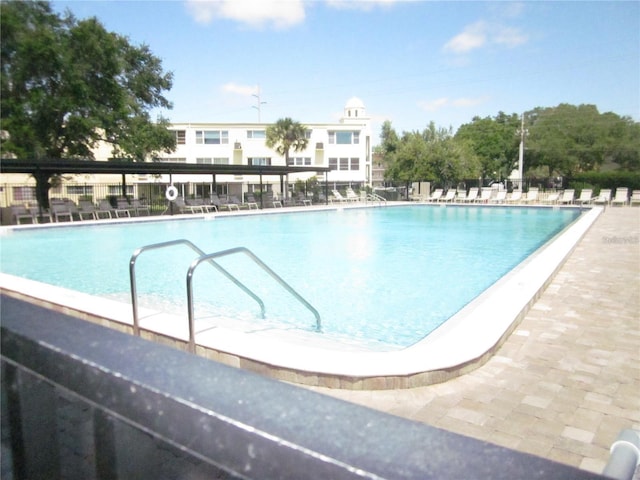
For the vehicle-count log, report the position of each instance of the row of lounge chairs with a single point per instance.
(565, 197)
(65, 210)
(216, 203)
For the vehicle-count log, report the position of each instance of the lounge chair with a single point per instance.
(622, 196)
(301, 199)
(436, 195)
(586, 196)
(352, 196)
(449, 196)
(472, 196)
(60, 210)
(532, 195)
(635, 197)
(123, 209)
(501, 197)
(552, 198)
(486, 194)
(567, 196)
(87, 210)
(515, 197)
(139, 207)
(250, 200)
(104, 210)
(337, 196)
(604, 198)
(20, 212)
(40, 214)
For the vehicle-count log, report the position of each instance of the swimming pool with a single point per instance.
(381, 278)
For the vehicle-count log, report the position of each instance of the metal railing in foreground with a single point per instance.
(82, 401)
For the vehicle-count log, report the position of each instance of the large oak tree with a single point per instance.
(68, 84)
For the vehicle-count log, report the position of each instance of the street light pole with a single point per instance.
(521, 153)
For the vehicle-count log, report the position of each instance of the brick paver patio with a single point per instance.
(568, 379)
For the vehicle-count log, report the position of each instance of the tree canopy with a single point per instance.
(67, 84)
(563, 140)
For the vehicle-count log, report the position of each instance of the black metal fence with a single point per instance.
(80, 401)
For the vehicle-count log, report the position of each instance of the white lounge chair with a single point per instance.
(622, 196)
(515, 197)
(567, 196)
(604, 198)
(450, 195)
(486, 194)
(552, 197)
(532, 195)
(501, 197)
(472, 196)
(436, 195)
(337, 196)
(352, 196)
(586, 196)
(635, 197)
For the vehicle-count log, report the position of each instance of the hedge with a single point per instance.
(599, 180)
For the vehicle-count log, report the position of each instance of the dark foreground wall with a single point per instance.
(81, 401)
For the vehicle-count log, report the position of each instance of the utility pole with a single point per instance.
(259, 105)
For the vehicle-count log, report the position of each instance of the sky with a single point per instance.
(410, 62)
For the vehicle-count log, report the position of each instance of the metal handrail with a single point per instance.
(376, 197)
(261, 264)
(132, 276)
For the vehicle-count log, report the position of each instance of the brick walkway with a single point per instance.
(568, 379)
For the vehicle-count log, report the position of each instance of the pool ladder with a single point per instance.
(209, 258)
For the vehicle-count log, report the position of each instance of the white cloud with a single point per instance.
(472, 37)
(279, 14)
(481, 33)
(465, 102)
(244, 90)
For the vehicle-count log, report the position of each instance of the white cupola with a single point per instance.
(354, 110)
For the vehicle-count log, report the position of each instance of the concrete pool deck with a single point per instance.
(567, 381)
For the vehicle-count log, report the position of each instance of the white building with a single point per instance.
(345, 147)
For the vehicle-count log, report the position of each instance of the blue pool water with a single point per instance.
(383, 276)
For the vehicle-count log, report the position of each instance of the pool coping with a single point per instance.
(303, 357)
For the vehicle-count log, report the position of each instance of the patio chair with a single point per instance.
(60, 210)
(635, 197)
(515, 197)
(20, 212)
(586, 196)
(501, 197)
(532, 195)
(123, 209)
(87, 210)
(472, 195)
(139, 207)
(337, 196)
(251, 201)
(104, 210)
(352, 196)
(485, 195)
(552, 198)
(436, 195)
(567, 196)
(622, 196)
(40, 214)
(449, 196)
(604, 198)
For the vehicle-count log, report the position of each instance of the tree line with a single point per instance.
(565, 140)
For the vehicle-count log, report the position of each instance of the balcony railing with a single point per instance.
(82, 401)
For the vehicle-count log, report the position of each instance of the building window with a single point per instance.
(257, 134)
(117, 190)
(24, 194)
(221, 161)
(344, 164)
(181, 137)
(212, 137)
(333, 163)
(204, 161)
(344, 138)
(171, 159)
(80, 190)
(355, 164)
(307, 134)
(300, 161)
(263, 161)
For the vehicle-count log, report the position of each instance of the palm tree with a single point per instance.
(286, 134)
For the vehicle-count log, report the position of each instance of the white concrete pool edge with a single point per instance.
(462, 339)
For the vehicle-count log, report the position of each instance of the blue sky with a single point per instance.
(411, 62)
